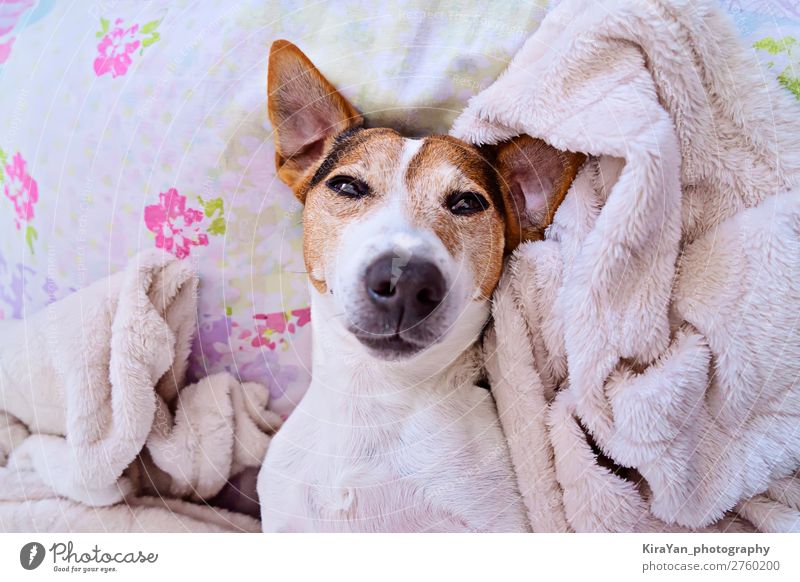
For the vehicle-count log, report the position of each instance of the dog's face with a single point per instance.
(403, 238)
(405, 235)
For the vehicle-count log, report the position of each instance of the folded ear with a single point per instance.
(305, 110)
(536, 178)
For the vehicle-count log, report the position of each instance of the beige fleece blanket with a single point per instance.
(98, 431)
(658, 386)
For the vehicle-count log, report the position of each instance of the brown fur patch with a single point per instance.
(373, 158)
(443, 166)
(305, 110)
(525, 150)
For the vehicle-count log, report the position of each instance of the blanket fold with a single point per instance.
(28, 505)
(661, 308)
(98, 415)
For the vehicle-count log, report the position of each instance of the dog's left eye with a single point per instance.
(348, 186)
(466, 203)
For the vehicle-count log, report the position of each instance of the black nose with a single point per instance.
(407, 291)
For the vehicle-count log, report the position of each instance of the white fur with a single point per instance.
(410, 445)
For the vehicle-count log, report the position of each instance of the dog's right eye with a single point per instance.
(348, 186)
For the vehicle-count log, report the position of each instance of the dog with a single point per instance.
(404, 242)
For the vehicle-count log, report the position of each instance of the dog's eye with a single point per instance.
(466, 203)
(348, 186)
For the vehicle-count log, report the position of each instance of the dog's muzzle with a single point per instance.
(401, 313)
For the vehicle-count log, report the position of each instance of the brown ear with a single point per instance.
(536, 178)
(306, 112)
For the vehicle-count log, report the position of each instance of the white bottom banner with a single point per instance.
(186, 557)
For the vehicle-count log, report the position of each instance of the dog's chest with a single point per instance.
(409, 463)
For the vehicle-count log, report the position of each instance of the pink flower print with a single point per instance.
(303, 316)
(115, 49)
(272, 323)
(262, 338)
(5, 50)
(11, 12)
(21, 189)
(176, 227)
(270, 326)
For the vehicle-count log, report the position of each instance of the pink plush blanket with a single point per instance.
(658, 388)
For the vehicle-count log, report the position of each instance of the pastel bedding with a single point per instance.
(100, 424)
(127, 126)
(658, 389)
(131, 125)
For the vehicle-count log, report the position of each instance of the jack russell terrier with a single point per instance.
(404, 242)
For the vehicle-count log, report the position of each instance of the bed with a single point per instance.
(131, 125)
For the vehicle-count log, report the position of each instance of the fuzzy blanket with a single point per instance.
(98, 421)
(658, 386)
